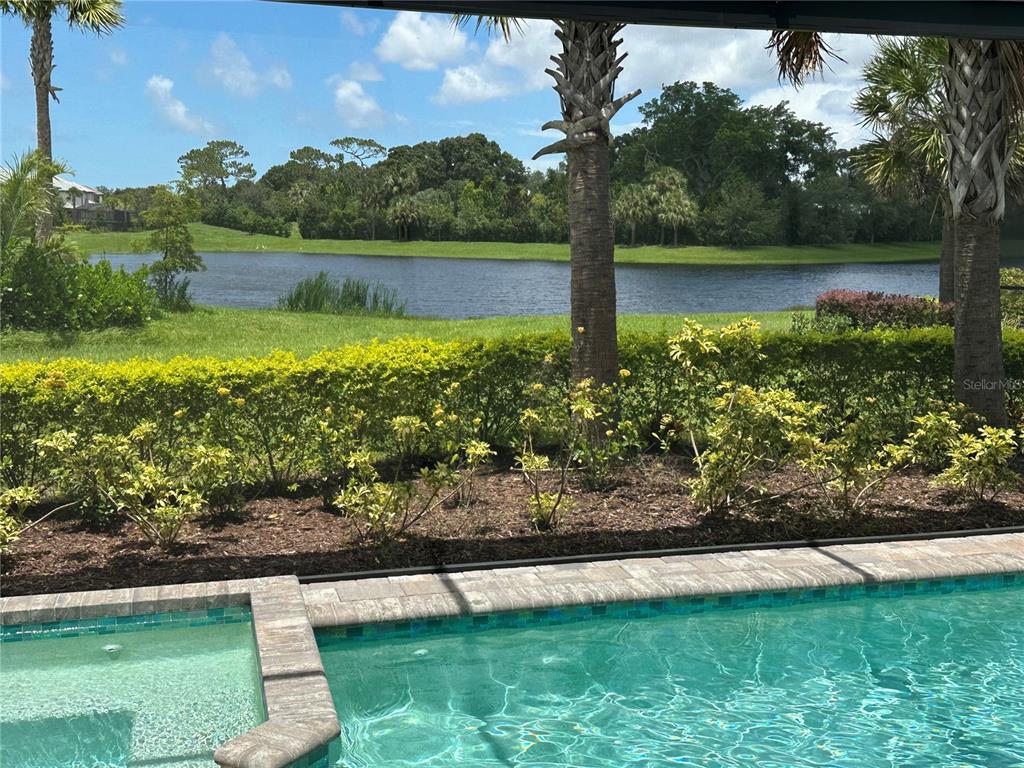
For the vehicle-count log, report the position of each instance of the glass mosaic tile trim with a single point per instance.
(649, 608)
(112, 625)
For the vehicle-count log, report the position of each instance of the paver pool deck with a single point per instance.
(301, 717)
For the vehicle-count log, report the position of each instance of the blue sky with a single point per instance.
(276, 76)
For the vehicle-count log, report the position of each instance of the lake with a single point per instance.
(459, 288)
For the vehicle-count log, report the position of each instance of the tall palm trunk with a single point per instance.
(592, 265)
(585, 82)
(41, 58)
(946, 255)
(977, 149)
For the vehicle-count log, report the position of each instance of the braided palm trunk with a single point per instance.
(41, 58)
(584, 78)
(977, 149)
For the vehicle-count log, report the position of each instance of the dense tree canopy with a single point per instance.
(702, 168)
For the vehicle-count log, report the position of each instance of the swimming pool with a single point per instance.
(151, 690)
(931, 676)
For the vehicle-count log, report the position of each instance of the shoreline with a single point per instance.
(211, 239)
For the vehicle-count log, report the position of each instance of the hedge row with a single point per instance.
(263, 405)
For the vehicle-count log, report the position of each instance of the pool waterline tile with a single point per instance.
(642, 609)
(123, 624)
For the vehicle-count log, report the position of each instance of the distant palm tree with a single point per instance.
(99, 16)
(632, 206)
(673, 206)
(983, 101)
(584, 74)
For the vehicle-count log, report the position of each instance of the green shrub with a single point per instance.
(324, 293)
(753, 433)
(384, 510)
(267, 411)
(14, 502)
(979, 465)
(851, 466)
(52, 288)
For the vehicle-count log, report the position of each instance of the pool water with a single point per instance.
(160, 697)
(930, 680)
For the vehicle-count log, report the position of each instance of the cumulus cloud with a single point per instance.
(232, 69)
(118, 57)
(506, 69)
(464, 85)
(173, 110)
(365, 71)
(355, 107)
(356, 24)
(421, 41)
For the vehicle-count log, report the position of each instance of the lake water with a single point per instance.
(459, 288)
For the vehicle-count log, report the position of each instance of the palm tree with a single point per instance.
(99, 16)
(983, 100)
(584, 74)
(632, 206)
(673, 206)
(902, 104)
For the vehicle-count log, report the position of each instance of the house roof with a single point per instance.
(66, 185)
(984, 19)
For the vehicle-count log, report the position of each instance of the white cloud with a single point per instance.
(365, 71)
(421, 41)
(172, 110)
(464, 85)
(118, 57)
(279, 77)
(505, 69)
(358, 26)
(232, 69)
(355, 107)
(4, 82)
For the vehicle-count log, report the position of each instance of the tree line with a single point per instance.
(703, 168)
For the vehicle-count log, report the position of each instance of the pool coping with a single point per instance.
(301, 720)
(416, 597)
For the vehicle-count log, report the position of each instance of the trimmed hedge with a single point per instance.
(263, 407)
(869, 309)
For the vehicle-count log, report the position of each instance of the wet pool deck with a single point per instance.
(301, 717)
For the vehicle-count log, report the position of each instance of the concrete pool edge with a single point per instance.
(447, 595)
(301, 720)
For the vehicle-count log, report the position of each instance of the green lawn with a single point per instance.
(209, 238)
(228, 333)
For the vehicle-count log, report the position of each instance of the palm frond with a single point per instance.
(99, 16)
(26, 191)
(800, 53)
(502, 25)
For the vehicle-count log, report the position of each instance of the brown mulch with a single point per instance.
(647, 508)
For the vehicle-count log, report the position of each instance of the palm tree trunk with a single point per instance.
(632, 233)
(978, 346)
(585, 81)
(591, 255)
(976, 135)
(41, 58)
(675, 236)
(946, 273)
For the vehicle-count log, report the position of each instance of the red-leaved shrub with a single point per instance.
(868, 309)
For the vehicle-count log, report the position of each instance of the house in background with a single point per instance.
(84, 205)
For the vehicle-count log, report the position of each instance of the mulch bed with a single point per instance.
(648, 508)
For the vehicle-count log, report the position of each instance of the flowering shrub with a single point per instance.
(869, 309)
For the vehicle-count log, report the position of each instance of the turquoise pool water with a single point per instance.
(932, 680)
(166, 696)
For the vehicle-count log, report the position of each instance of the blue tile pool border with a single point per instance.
(114, 625)
(640, 609)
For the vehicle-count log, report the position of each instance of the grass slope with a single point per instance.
(208, 238)
(229, 333)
